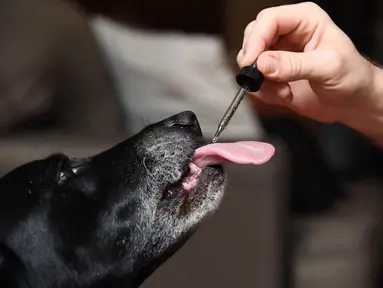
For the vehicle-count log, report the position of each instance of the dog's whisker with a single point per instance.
(146, 168)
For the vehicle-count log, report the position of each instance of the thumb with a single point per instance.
(287, 66)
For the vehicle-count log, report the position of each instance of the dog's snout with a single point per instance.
(185, 119)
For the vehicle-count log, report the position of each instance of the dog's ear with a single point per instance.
(10, 269)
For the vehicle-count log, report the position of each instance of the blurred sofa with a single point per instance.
(56, 96)
(51, 72)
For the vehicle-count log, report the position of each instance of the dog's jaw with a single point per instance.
(178, 222)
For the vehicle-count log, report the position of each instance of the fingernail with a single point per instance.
(271, 65)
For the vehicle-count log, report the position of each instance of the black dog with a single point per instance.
(109, 220)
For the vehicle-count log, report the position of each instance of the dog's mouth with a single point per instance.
(213, 155)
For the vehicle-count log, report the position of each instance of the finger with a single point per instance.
(301, 19)
(318, 65)
(247, 32)
(275, 93)
(240, 57)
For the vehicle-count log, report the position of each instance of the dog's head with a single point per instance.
(108, 219)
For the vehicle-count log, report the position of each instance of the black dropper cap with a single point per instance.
(250, 78)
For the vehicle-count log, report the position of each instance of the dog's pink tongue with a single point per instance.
(245, 152)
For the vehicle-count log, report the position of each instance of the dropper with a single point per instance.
(249, 79)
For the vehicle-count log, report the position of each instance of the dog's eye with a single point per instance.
(65, 175)
(68, 170)
(75, 170)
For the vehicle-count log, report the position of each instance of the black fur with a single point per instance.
(106, 220)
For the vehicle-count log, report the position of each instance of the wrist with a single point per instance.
(367, 118)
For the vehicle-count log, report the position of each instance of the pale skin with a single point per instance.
(313, 68)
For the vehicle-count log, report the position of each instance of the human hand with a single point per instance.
(311, 66)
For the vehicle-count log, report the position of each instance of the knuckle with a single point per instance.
(314, 9)
(249, 27)
(294, 65)
(264, 13)
(334, 61)
(311, 6)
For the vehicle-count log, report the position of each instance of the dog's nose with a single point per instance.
(185, 119)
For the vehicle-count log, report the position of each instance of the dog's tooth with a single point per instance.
(194, 168)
